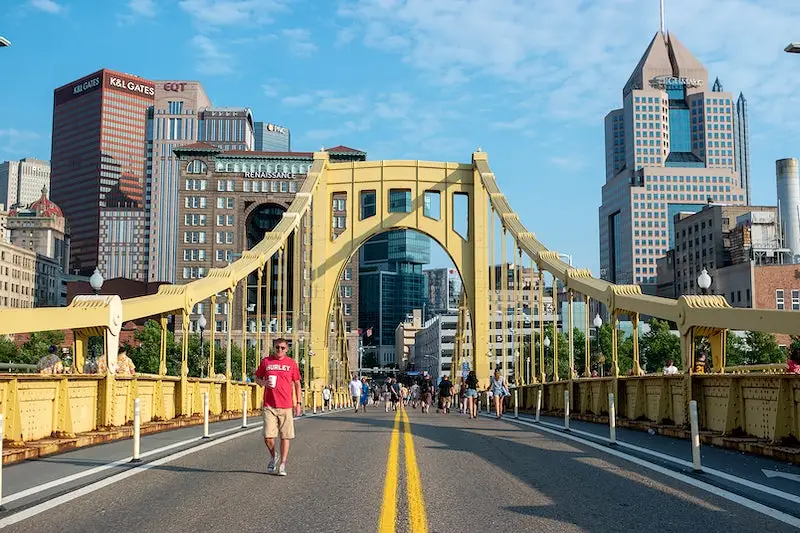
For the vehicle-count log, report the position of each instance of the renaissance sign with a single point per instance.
(269, 175)
(662, 82)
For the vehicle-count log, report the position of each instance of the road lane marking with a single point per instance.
(141, 467)
(388, 516)
(712, 489)
(416, 504)
(772, 491)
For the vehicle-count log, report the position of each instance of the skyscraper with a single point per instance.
(98, 154)
(229, 128)
(741, 146)
(21, 182)
(669, 149)
(272, 138)
(391, 285)
(173, 122)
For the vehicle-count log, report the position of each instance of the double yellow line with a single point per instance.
(416, 505)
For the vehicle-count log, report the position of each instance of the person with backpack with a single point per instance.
(426, 393)
(395, 392)
(445, 394)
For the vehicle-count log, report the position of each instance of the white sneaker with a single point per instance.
(271, 466)
(282, 470)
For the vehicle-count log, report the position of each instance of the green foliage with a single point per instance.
(658, 346)
(579, 343)
(762, 348)
(9, 352)
(38, 345)
(735, 349)
(146, 351)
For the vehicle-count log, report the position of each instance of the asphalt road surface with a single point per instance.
(445, 474)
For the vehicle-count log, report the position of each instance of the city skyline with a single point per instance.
(535, 118)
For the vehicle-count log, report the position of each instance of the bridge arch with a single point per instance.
(386, 195)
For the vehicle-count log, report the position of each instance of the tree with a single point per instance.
(762, 348)
(38, 345)
(579, 342)
(658, 346)
(9, 352)
(734, 350)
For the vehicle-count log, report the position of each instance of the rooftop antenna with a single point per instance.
(662, 15)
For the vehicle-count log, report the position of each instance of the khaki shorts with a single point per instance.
(278, 421)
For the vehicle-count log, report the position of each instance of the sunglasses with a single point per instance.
(282, 348)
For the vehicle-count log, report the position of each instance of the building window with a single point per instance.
(400, 201)
(348, 274)
(795, 300)
(339, 204)
(348, 309)
(196, 167)
(779, 299)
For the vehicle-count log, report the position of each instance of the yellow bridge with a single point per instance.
(761, 405)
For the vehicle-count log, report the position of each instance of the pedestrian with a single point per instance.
(280, 377)
(355, 391)
(426, 393)
(445, 394)
(395, 390)
(472, 394)
(326, 398)
(462, 396)
(498, 389)
(386, 392)
(364, 394)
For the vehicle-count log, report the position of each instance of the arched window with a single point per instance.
(252, 167)
(269, 167)
(286, 168)
(228, 167)
(236, 167)
(196, 167)
(220, 166)
(262, 167)
(294, 169)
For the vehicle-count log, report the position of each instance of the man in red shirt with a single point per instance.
(280, 377)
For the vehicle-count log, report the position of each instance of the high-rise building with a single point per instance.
(741, 147)
(669, 149)
(229, 128)
(787, 173)
(391, 285)
(272, 138)
(21, 181)
(98, 154)
(227, 201)
(173, 122)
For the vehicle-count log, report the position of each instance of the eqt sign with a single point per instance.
(175, 87)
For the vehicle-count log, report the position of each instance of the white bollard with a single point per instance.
(314, 394)
(244, 409)
(696, 466)
(137, 420)
(538, 404)
(205, 415)
(566, 410)
(516, 403)
(612, 419)
(488, 406)
(2, 435)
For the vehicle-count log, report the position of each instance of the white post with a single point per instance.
(538, 403)
(2, 435)
(244, 408)
(696, 466)
(566, 410)
(314, 394)
(516, 403)
(137, 419)
(205, 415)
(612, 419)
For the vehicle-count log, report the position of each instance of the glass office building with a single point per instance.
(391, 285)
(272, 138)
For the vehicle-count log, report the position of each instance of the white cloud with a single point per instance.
(328, 102)
(514, 125)
(143, 8)
(13, 135)
(298, 100)
(211, 60)
(48, 6)
(299, 41)
(232, 12)
(568, 163)
(573, 56)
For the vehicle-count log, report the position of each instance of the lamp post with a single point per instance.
(96, 281)
(598, 323)
(546, 347)
(704, 281)
(201, 323)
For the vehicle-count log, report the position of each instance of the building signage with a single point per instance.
(277, 129)
(86, 85)
(269, 175)
(661, 82)
(131, 86)
(175, 87)
(225, 114)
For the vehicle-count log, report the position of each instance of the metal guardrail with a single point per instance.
(17, 367)
(771, 368)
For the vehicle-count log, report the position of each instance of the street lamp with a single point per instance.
(96, 281)
(793, 48)
(546, 347)
(704, 281)
(598, 323)
(201, 323)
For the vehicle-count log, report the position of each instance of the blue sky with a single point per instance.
(529, 81)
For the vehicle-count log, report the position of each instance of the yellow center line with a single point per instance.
(416, 504)
(388, 517)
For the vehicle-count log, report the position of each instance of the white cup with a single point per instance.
(272, 381)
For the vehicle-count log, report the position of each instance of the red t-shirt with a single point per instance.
(286, 372)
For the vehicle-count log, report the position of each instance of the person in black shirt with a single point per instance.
(426, 393)
(472, 394)
(445, 394)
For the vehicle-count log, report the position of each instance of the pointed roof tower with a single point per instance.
(717, 88)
